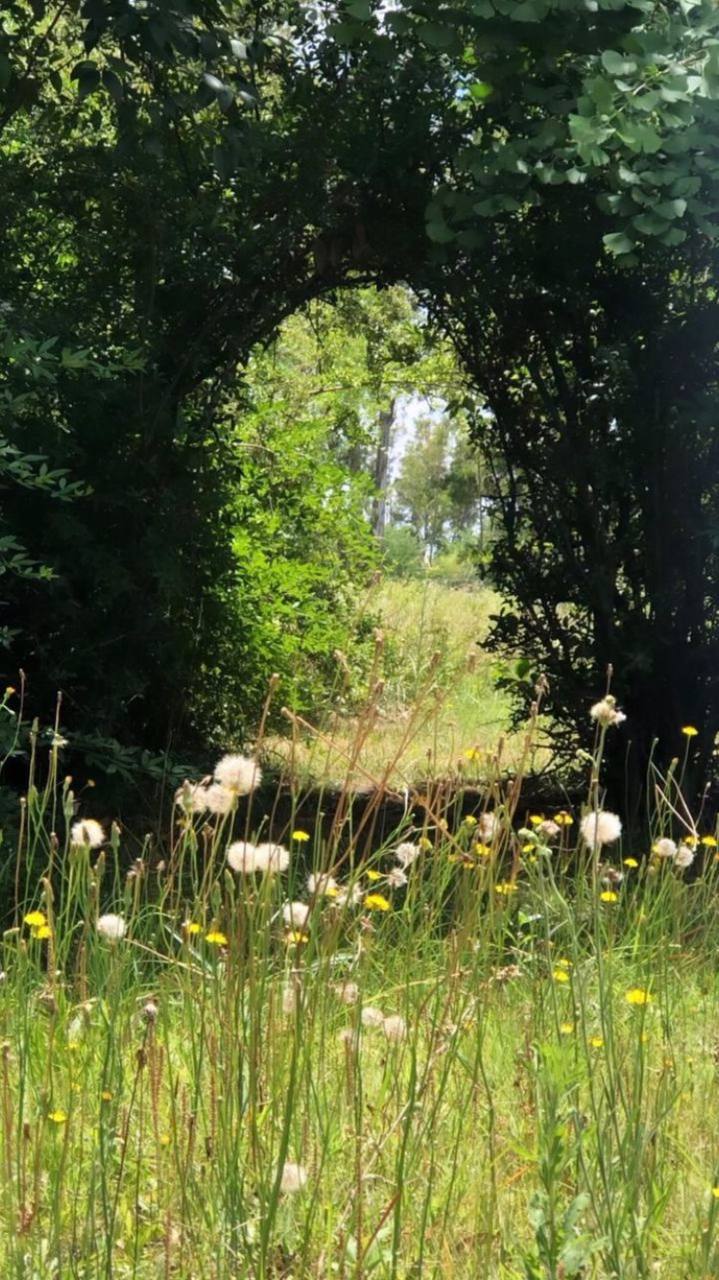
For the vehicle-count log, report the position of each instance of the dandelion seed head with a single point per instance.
(218, 799)
(87, 832)
(684, 857)
(371, 1016)
(396, 878)
(112, 927)
(348, 992)
(238, 774)
(600, 827)
(606, 713)
(664, 848)
(487, 827)
(322, 885)
(296, 915)
(272, 858)
(407, 853)
(395, 1027)
(294, 1178)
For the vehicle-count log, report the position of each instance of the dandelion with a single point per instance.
(536, 819)
(191, 928)
(295, 938)
(566, 1028)
(684, 858)
(600, 827)
(664, 848)
(484, 850)
(300, 836)
(715, 1192)
(709, 842)
(560, 975)
(637, 995)
(376, 902)
(372, 1017)
(564, 819)
(42, 932)
(549, 829)
(470, 820)
(218, 799)
(505, 887)
(294, 1178)
(348, 992)
(689, 731)
(373, 875)
(396, 878)
(88, 832)
(407, 853)
(216, 938)
(597, 1042)
(630, 862)
(606, 713)
(111, 927)
(608, 895)
(191, 797)
(424, 844)
(487, 827)
(238, 774)
(395, 1027)
(296, 915)
(349, 896)
(35, 919)
(322, 885)
(150, 1011)
(57, 1117)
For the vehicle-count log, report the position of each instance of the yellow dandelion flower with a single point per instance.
(164, 1139)
(692, 841)
(563, 819)
(192, 928)
(709, 842)
(528, 848)
(630, 862)
(35, 919)
(637, 995)
(536, 819)
(608, 895)
(295, 937)
(424, 843)
(471, 753)
(470, 820)
(505, 887)
(597, 1042)
(689, 730)
(300, 836)
(42, 931)
(106, 1095)
(376, 902)
(560, 975)
(563, 963)
(566, 1028)
(482, 850)
(216, 938)
(373, 875)
(715, 1192)
(57, 1117)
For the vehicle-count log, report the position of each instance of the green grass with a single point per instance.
(529, 1121)
(437, 699)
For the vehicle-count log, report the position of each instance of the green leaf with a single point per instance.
(435, 35)
(617, 243)
(616, 64)
(360, 9)
(481, 90)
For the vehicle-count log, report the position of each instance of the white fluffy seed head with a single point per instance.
(272, 858)
(296, 915)
(242, 857)
(111, 927)
(348, 992)
(407, 853)
(684, 857)
(395, 1027)
(606, 713)
(486, 827)
(349, 896)
(396, 878)
(664, 848)
(294, 1178)
(372, 1017)
(238, 774)
(218, 799)
(600, 827)
(321, 884)
(88, 832)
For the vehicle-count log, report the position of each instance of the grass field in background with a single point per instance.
(439, 700)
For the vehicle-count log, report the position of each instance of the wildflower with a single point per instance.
(323, 885)
(106, 1095)
(191, 797)
(349, 896)
(608, 895)
(689, 731)
(536, 819)
(348, 992)
(600, 827)
(88, 832)
(715, 1192)
(664, 848)
(684, 858)
(630, 862)
(150, 1011)
(471, 753)
(376, 902)
(216, 938)
(112, 927)
(300, 836)
(396, 878)
(505, 887)
(395, 1027)
(407, 853)
(373, 875)
(57, 1117)
(549, 829)
(566, 1028)
(294, 1178)
(192, 928)
(637, 995)
(487, 827)
(295, 938)
(564, 819)
(605, 712)
(560, 975)
(296, 915)
(424, 844)
(238, 774)
(470, 820)
(219, 799)
(709, 842)
(563, 963)
(372, 1017)
(42, 932)
(35, 919)
(597, 1042)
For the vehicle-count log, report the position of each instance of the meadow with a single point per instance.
(489, 1049)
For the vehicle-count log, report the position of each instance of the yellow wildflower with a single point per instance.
(596, 1042)
(300, 836)
(192, 927)
(689, 731)
(482, 850)
(470, 820)
(373, 875)
(58, 1117)
(637, 995)
(536, 819)
(35, 919)
(295, 937)
(566, 1028)
(630, 862)
(563, 819)
(560, 975)
(376, 902)
(216, 938)
(505, 887)
(709, 842)
(42, 931)
(424, 843)
(715, 1192)
(471, 753)
(106, 1095)
(563, 963)
(608, 895)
